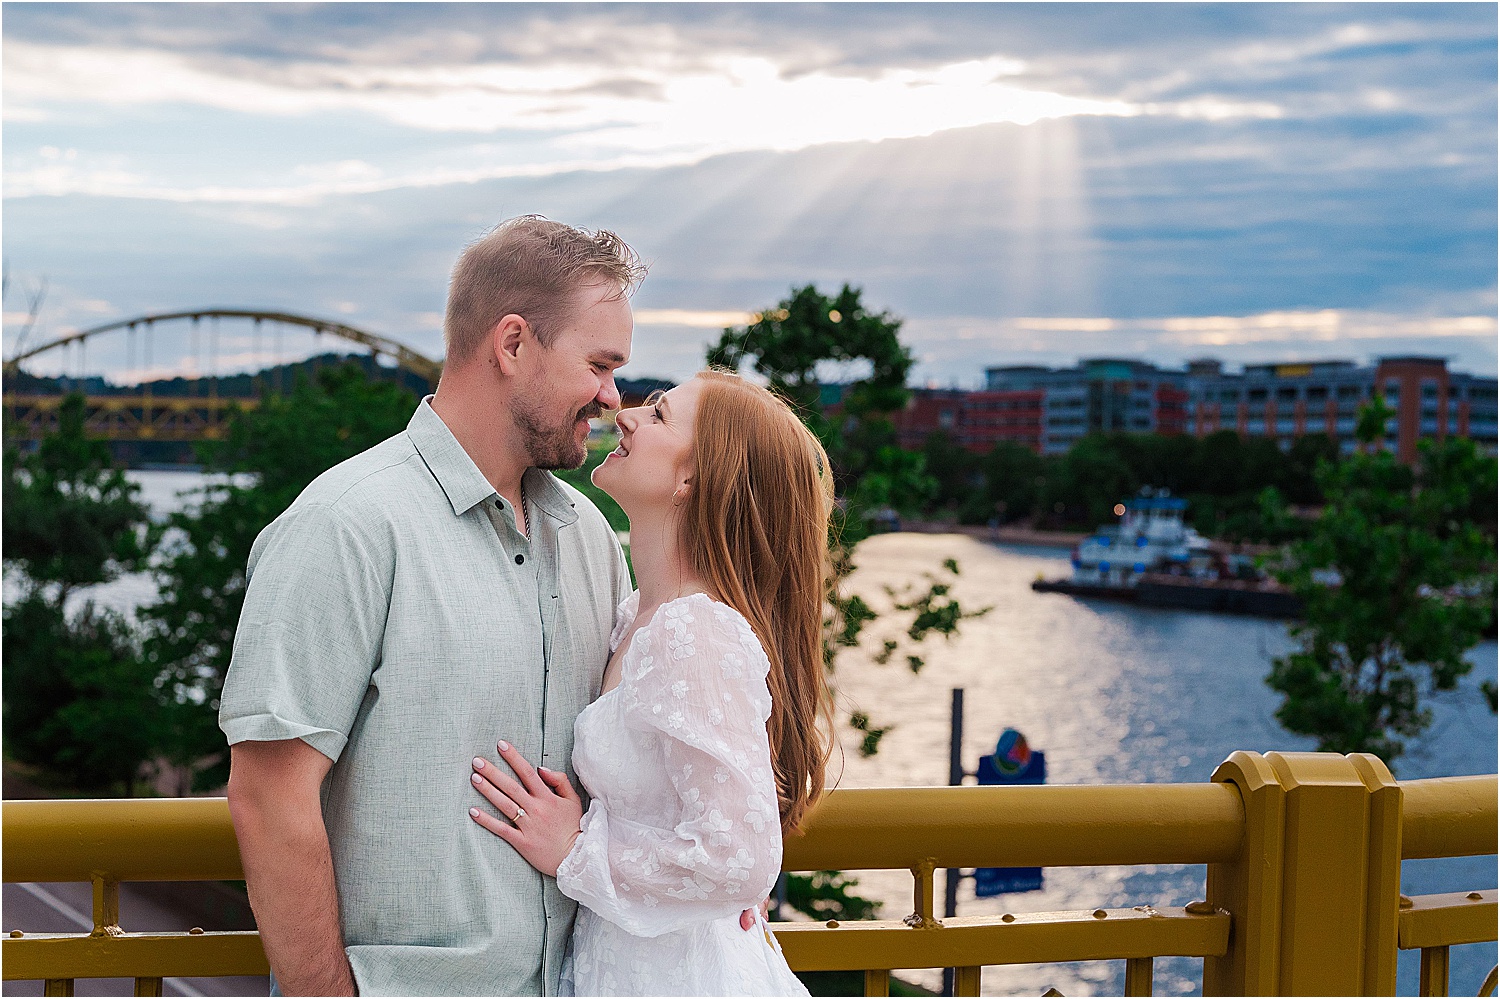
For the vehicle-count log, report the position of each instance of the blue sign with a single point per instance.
(1014, 762)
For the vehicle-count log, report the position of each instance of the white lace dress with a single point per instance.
(683, 832)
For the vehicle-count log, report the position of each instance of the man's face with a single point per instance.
(567, 384)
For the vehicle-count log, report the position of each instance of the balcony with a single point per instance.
(1303, 851)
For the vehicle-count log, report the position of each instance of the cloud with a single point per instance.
(695, 318)
(1261, 164)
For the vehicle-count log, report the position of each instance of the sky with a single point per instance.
(1018, 183)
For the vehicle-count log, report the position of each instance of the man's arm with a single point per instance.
(274, 800)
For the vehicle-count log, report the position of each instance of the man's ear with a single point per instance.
(506, 341)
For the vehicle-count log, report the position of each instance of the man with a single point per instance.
(417, 603)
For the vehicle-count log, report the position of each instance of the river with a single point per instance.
(1111, 692)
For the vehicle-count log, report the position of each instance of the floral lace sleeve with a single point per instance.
(696, 687)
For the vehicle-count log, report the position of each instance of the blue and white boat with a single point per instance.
(1150, 538)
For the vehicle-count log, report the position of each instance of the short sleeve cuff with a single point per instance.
(273, 728)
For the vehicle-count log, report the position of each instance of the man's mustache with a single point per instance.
(589, 412)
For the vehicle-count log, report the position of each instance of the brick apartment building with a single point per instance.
(1049, 409)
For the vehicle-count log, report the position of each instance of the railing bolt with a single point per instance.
(1100, 914)
(196, 931)
(832, 924)
(17, 933)
(1200, 908)
(1405, 903)
(1007, 918)
(1474, 896)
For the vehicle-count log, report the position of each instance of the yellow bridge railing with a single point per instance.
(1303, 850)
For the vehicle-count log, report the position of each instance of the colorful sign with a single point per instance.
(1013, 762)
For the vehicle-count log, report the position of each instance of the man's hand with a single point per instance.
(278, 817)
(542, 814)
(747, 918)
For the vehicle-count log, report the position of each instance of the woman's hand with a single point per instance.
(542, 814)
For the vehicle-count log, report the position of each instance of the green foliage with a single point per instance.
(1397, 583)
(935, 611)
(825, 895)
(1222, 476)
(869, 745)
(851, 614)
(71, 519)
(579, 478)
(273, 452)
(80, 702)
(786, 344)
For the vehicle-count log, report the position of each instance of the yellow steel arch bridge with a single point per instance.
(144, 416)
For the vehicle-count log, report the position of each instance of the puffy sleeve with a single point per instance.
(697, 690)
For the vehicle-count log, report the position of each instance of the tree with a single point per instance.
(80, 700)
(787, 345)
(70, 518)
(269, 456)
(1397, 583)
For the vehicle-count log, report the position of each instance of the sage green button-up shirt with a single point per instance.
(396, 621)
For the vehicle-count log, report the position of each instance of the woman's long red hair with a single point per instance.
(756, 524)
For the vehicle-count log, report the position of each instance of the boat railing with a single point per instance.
(1303, 855)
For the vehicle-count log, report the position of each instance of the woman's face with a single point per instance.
(651, 470)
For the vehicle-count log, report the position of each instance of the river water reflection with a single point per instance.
(1112, 693)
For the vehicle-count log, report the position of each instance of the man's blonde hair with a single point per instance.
(530, 266)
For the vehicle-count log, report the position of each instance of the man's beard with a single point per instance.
(554, 447)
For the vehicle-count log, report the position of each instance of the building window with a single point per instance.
(1317, 393)
(1350, 391)
(1257, 395)
(1287, 393)
(945, 419)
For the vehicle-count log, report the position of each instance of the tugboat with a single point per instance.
(1151, 557)
(1150, 537)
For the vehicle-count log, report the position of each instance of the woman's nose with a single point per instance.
(626, 419)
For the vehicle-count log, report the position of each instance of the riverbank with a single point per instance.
(1006, 534)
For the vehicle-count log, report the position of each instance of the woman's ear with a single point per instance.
(683, 491)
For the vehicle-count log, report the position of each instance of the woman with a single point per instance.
(708, 740)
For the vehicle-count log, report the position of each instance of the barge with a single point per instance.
(1154, 559)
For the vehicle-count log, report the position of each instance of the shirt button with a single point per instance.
(520, 559)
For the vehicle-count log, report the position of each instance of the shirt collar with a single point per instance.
(463, 483)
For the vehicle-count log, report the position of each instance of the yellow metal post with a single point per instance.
(1249, 886)
(148, 986)
(1434, 974)
(966, 981)
(1138, 974)
(106, 906)
(877, 982)
(1383, 876)
(924, 892)
(1326, 855)
(57, 987)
